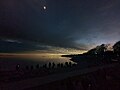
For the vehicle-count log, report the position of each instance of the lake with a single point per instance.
(10, 62)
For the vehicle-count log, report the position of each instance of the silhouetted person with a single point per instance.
(37, 66)
(53, 65)
(32, 68)
(27, 67)
(45, 66)
(61, 65)
(66, 64)
(58, 65)
(70, 64)
(17, 67)
(49, 65)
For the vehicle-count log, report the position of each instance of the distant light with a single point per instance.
(44, 7)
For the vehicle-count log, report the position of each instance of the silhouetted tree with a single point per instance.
(101, 49)
(116, 48)
(108, 56)
(92, 51)
(98, 50)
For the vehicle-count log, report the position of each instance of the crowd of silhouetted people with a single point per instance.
(31, 71)
(47, 66)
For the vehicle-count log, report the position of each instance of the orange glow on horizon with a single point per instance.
(42, 54)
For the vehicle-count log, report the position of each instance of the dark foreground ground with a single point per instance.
(105, 77)
(102, 79)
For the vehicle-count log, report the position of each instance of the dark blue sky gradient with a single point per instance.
(79, 24)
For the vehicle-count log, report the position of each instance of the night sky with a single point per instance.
(58, 25)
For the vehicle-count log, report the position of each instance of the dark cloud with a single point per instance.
(65, 23)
